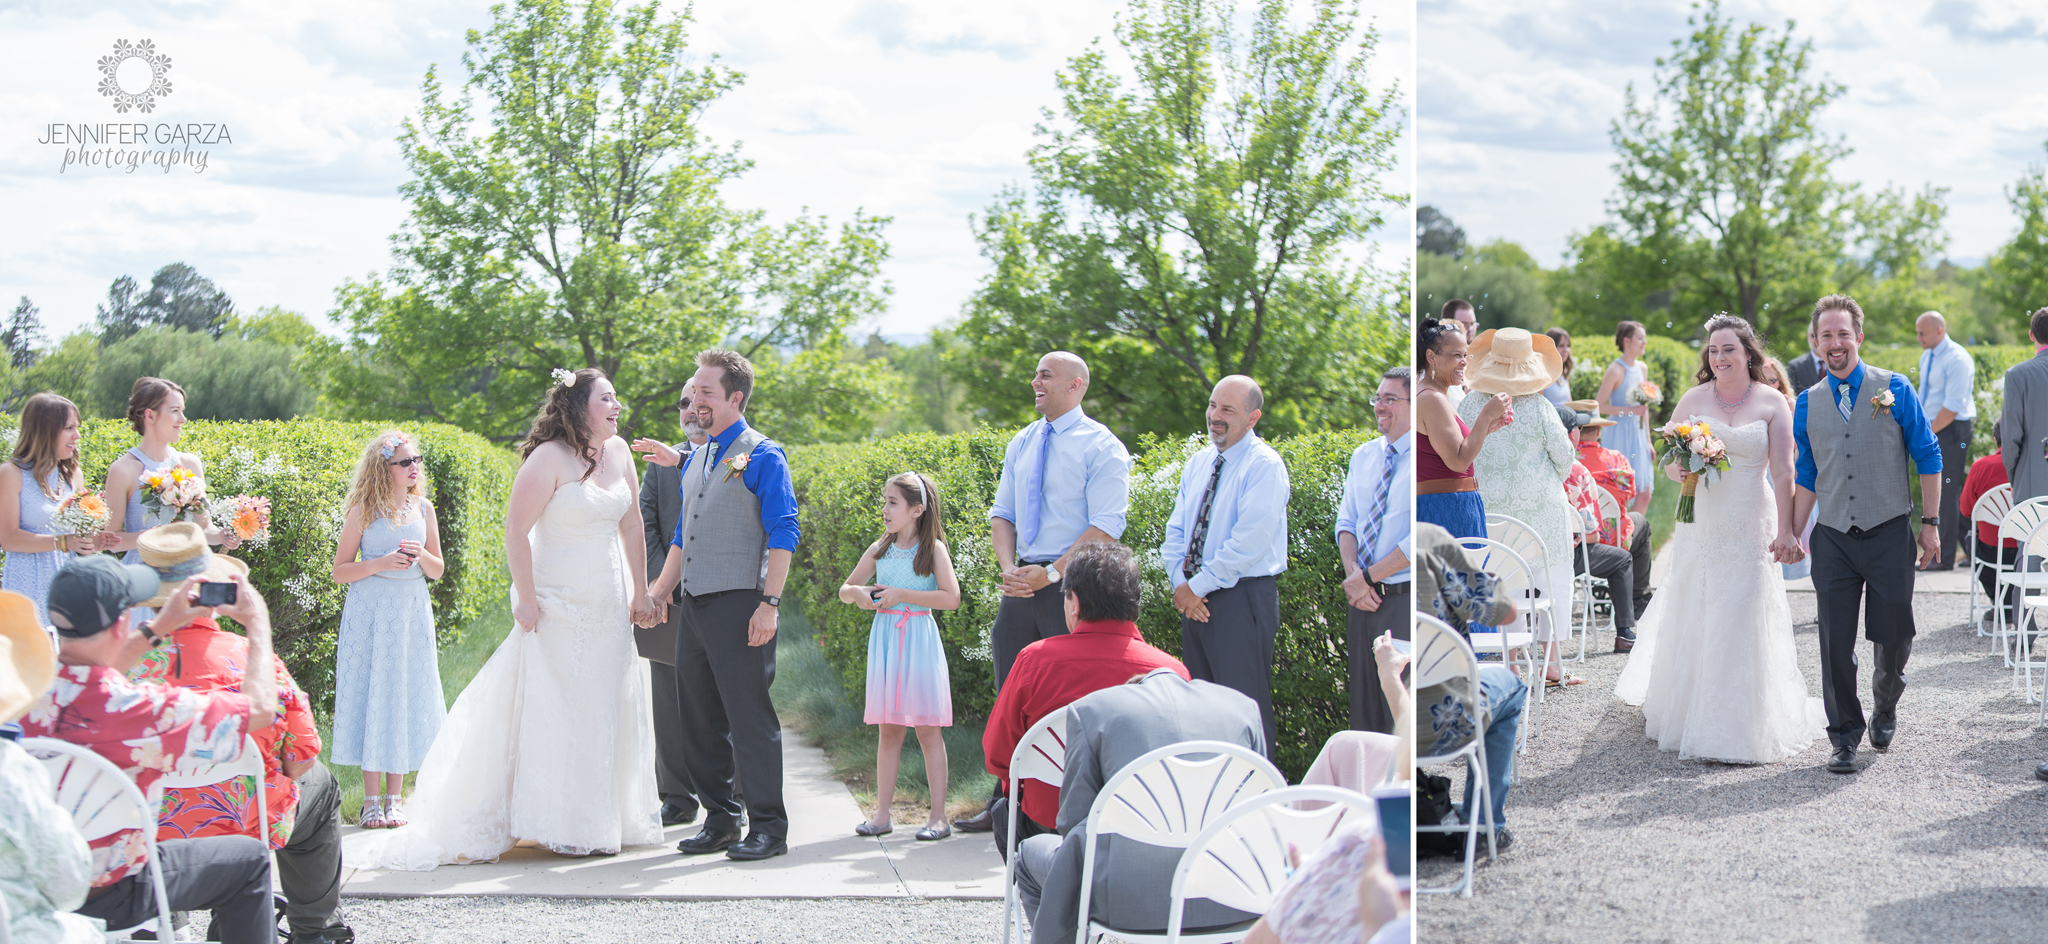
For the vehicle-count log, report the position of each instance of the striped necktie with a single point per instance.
(1377, 517)
(1842, 400)
(1199, 535)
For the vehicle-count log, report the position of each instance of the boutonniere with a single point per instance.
(734, 465)
(1881, 404)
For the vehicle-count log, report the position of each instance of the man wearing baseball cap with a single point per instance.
(148, 729)
(1606, 562)
(43, 858)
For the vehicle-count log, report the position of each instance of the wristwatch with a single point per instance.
(1052, 574)
(775, 602)
(1934, 520)
(154, 639)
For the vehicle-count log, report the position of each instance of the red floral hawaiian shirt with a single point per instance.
(1579, 488)
(147, 729)
(202, 656)
(1612, 471)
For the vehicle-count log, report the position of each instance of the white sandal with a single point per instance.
(394, 814)
(373, 813)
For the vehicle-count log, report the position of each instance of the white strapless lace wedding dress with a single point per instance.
(1714, 666)
(552, 741)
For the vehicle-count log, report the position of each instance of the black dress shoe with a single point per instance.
(1643, 602)
(675, 812)
(708, 840)
(1844, 761)
(758, 846)
(981, 822)
(2041, 772)
(1881, 731)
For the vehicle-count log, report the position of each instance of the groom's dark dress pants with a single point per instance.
(729, 724)
(1865, 565)
(1954, 440)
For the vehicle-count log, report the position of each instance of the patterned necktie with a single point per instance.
(710, 451)
(1377, 516)
(1200, 534)
(1032, 512)
(1842, 401)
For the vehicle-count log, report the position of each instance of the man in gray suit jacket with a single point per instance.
(1105, 731)
(1804, 371)
(2026, 398)
(661, 500)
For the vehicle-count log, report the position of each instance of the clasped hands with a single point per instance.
(1023, 581)
(1786, 550)
(650, 610)
(1358, 589)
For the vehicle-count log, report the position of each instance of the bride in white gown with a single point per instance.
(552, 742)
(1714, 667)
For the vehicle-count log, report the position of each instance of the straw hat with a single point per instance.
(178, 551)
(1512, 361)
(1577, 419)
(27, 662)
(1583, 406)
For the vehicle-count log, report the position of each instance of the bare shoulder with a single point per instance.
(192, 461)
(124, 466)
(10, 473)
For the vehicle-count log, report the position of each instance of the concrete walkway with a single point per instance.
(825, 860)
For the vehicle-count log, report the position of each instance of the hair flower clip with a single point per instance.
(566, 378)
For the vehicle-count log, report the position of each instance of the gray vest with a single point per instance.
(724, 547)
(1863, 476)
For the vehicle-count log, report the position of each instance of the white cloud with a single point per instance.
(1554, 109)
(1898, 83)
(1989, 21)
(815, 109)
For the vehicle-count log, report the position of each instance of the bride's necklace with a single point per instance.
(1730, 408)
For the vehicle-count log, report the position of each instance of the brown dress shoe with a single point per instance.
(981, 822)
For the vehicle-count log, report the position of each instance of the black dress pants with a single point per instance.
(1618, 568)
(1954, 440)
(671, 748)
(1021, 621)
(226, 875)
(1871, 566)
(729, 726)
(309, 865)
(1235, 647)
(1369, 708)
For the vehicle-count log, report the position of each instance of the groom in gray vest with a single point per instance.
(730, 554)
(1859, 429)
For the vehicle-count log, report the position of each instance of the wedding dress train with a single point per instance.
(552, 741)
(1714, 666)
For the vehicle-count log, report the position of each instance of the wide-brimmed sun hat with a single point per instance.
(27, 661)
(177, 552)
(1512, 361)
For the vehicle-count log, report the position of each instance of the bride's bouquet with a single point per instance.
(245, 516)
(1693, 447)
(177, 490)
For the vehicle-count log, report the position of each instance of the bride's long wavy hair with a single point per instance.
(562, 418)
(1750, 345)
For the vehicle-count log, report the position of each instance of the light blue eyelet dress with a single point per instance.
(387, 677)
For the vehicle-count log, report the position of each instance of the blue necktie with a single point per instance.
(1377, 516)
(1031, 511)
(1842, 401)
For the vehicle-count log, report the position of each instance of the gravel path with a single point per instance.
(1943, 839)
(533, 920)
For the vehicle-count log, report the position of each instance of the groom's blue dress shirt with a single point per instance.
(1905, 410)
(767, 476)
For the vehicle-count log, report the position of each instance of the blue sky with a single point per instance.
(1515, 100)
(917, 109)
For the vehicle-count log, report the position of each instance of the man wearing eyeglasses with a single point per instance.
(1374, 540)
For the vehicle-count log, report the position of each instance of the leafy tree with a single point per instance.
(66, 369)
(24, 333)
(227, 379)
(565, 213)
(2018, 271)
(1504, 285)
(178, 297)
(1434, 232)
(274, 324)
(1191, 220)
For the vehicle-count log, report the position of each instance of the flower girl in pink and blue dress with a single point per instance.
(907, 683)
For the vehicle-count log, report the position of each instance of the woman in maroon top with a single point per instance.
(1446, 494)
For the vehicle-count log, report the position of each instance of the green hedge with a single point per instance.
(1669, 364)
(304, 468)
(1992, 362)
(838, 490)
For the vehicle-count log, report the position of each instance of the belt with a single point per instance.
(1392, 589)
(1463, 483)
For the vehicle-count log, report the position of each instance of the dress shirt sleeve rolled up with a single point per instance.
(1805, 471)
(1261, 519)
(1951, 385)
(1005, 504)
(767, 477)
(1351, 506)
(1920, 442)
(1109, 488)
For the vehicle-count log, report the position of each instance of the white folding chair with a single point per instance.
(1516, 581)
(1583, 582)
(1991, 508)
(1165, 798)
(1611, 509)
(1441, 655)
(2027, 656)
(103, 801)
(1522, 538)
(1241, 860)
(1040, 756)
(2018, 525)
(204, 774)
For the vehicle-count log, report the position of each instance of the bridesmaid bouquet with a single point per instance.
(247, 516)
(1693, 447)
(1646, 394)
(177, 490)
(80, 513)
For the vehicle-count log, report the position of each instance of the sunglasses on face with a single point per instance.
(408, 463)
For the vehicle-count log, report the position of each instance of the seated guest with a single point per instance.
(1458, 592)
(1102, 649)
(1986, 474)
(45, 867)
(1612, 472)
(303, 822)
(148, 729)
(1341, 892)
(1597, 548)
(1105, 731)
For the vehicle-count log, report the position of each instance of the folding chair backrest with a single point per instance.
(1441, 655)
(1165, 797)
(2023, 519)
(1610, 510)
(1504, 563)
(202, 774)
(100, 798)
(1042, 755)
(1517, 534)
(1241, 860)
(1992, 506)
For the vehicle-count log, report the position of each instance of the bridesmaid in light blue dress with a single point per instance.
(388, 704)
(156, 411)
(1630, 435)
(907, 685)
(49, 439)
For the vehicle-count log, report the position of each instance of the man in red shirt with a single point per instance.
(1986, 474)
(1611, 470)
(148, 729)
(1102, 649)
